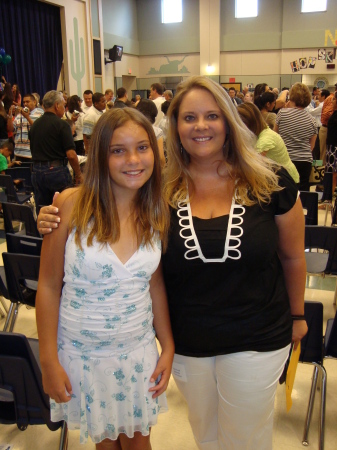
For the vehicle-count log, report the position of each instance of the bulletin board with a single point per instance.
(237, 86)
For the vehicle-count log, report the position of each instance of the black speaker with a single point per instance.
(116, 53)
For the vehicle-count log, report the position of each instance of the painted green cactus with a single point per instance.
(77, 74)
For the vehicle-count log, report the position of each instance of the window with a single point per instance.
(245, 8)
(171, 11)
(313, 5)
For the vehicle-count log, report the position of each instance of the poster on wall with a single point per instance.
(329, 56)
(321, 53)
(303, 63)
(294, 66)
(312, 62)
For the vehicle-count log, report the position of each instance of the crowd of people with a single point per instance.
(199, 243)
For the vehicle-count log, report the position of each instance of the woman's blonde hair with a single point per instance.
(299, 94)
(95, 211)
(255, 179)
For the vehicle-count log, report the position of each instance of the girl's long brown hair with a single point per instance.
(95, 212)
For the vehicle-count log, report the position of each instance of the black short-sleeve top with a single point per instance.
(224, 280)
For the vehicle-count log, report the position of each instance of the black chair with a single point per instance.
(28, 245)
(6, 182)
(310, 204)
(22, 400)
(312, 353)
(22, 273)
(24, 174)
(14, 212)
(318, 263)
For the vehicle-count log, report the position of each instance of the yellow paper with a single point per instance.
(291, 372)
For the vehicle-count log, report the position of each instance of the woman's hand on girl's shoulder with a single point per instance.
(48, 218)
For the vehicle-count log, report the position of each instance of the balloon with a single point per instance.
(2, 52)
(7, 59)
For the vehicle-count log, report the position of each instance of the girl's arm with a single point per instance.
(291, 253)
(162, 326)
(55, 380)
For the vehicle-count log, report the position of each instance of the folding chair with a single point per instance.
(312, 353)
(19, 213)
(28, 245)
(22, 400)
(318, 263)
(310, 205)
(24, 174)
(22, 273)
(12, 196)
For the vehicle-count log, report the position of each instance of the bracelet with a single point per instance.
(298, 317)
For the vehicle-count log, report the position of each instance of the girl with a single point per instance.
(17, 95)
(97, 343)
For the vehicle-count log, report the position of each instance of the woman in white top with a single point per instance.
(76, 114)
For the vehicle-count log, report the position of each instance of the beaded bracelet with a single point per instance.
(298, 317)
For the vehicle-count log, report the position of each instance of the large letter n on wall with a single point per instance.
(328, 35)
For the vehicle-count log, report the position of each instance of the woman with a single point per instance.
(266, 104)
(16, 95)
(331, 144)
(8, 97)
(248, 98)
(268, 142)
(75, 114)
(6, 124)
(234, 269)
(263, 87)
(298, 130)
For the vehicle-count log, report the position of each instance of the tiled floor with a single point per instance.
(173, 431)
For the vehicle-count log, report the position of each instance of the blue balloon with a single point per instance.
(2, 52)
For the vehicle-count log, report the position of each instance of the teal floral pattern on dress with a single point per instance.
(106, 342)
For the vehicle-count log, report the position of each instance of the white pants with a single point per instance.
(231, 397)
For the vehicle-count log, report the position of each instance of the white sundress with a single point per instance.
(106, 342)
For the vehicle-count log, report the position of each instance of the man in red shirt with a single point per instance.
(327, 111)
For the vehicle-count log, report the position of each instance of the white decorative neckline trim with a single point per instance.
(232, 243)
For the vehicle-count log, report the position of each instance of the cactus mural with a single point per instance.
(77, 65)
